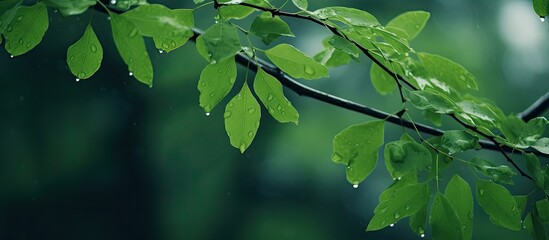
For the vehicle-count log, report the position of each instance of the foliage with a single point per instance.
(430, 83)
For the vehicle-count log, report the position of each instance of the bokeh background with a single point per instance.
(110, 158)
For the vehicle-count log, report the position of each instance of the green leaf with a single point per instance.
(458, 193)
(221, 41)
(404, 202)
(382, 81)
(155, 20)
(511, 126)
(521, 201)
(357, 147)
(533, 130)
(535, 227)
(542, 210)
(499, 204)
(70, 7)
(269, 28)
(408, 179)
(295, 63)
(534, 167)
(269, 91)
(84, 56)
(447, 71)
(242, 116)
(331, 57)
(444, 220)
(542, 145)
(124, 5)
(170, 44)
(131, 47)
(301, 4)
(458, 141)
(411, 22)
(8, 9)
(502, 173)
(541, 7)
(26, 29)
(7, 5)
(349, 16)
(237, 11)
(418, 221)
(434, 118)
(401, 157)
(344, 45)
(479, 112)
(216, 81)
(443, 160)
(432, 100)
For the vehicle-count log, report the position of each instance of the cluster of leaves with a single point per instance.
(430, 83)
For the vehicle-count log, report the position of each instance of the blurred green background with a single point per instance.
(109, 158)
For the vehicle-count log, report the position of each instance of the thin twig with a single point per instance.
(536, 109)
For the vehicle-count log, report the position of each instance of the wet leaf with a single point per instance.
(242, 116)
(269, 91)
(216, 81)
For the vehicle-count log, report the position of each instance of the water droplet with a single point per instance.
(383, 210)
(11, 56)
(239, 96)
(257, 124)
(93, 48)
(513, 208)
(309, 70)
(250, 134)
(391, 225)
(335, 157)
(279, 107)
(422, 235)
(407, 207)
(399, 178)
(271, 109)
(19, 18)
(207, 114)
(82, 75)
(417, 26)
(420, 230)
(242, 147)
(28, 45)
(355, 186)
(132, 33)
(165, 45)
(160, 51)
(227, 114)
(470, 215)
(214, 61)
(21, 41)
(383, 222)
(397, 215)
(173, 43)
(202, 83)
(251, 110)
(231, 105)
(212, 95)
(108, 18)
(78, 79)
(113, 2)
(481, 191)
(130, 73)
(542, 19)
(10, 27)
(270, 97)
(464, 226)
(55, 11)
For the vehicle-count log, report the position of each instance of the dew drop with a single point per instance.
(542, 19)
(207, 114)
(93, 48)
(160, 51)
(173, 43)
(231, 105)
(271, 109)
(11, 56)
(203, 84)
(78, 79)
(309, 70)
(481, 191)
(21, 41)
(513, 208)
(28, 45)
(82, 75)
(108, 18)
(165, 45)
(10, 27)
(399, 178)
(239, 96)
(417, 26)
(464, 226)
(470, 215)
(279, 107)
(212, 95)
(270, 97)
(407, 207)
(227, 114)
(113, 2)
(355, 186)
(19, 18)
(214, 61)
(420, 230)
(251, 110)
(391, 225)
(422, 235)
(397, 215)
(250, 134)
(130, 73)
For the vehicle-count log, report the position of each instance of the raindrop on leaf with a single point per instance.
(130, 73)
(391, 225)
(309, 70)
(78, 79)
(207, 114)
(227, 114)
(542, 19)
(270, 97)
(397, 215)
(355, 186)
(93, 48)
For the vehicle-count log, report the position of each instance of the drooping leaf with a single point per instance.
(404, 202)
(70, 7)
(8, 9)
(408, 179)
(458, 193)
(447, 71)
(357, 147)
(480, 113)
(131, 46)
(301, 4)
(170, 44)
(521, 201)
(216, 81)
(221, 42)
(242, 116)
(26, 29)
(382, 81)
(349, 16)
(542, 145)
(269, 91)
(541, 7)
(511, 127)
(156, 20)
(295, 63)
(331, 57)
(535, 227)
(237, 11)
(418, 221)
(534, 167)
(401, 157)
(84, 56)
(344, 45)
(400, 45)
(411, 22)
(458, 141)
(502, 173)
(269, 28)
(444, 220)
(432, 100)
(499, 204)
(533, 130)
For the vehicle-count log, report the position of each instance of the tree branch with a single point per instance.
(536, 109)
